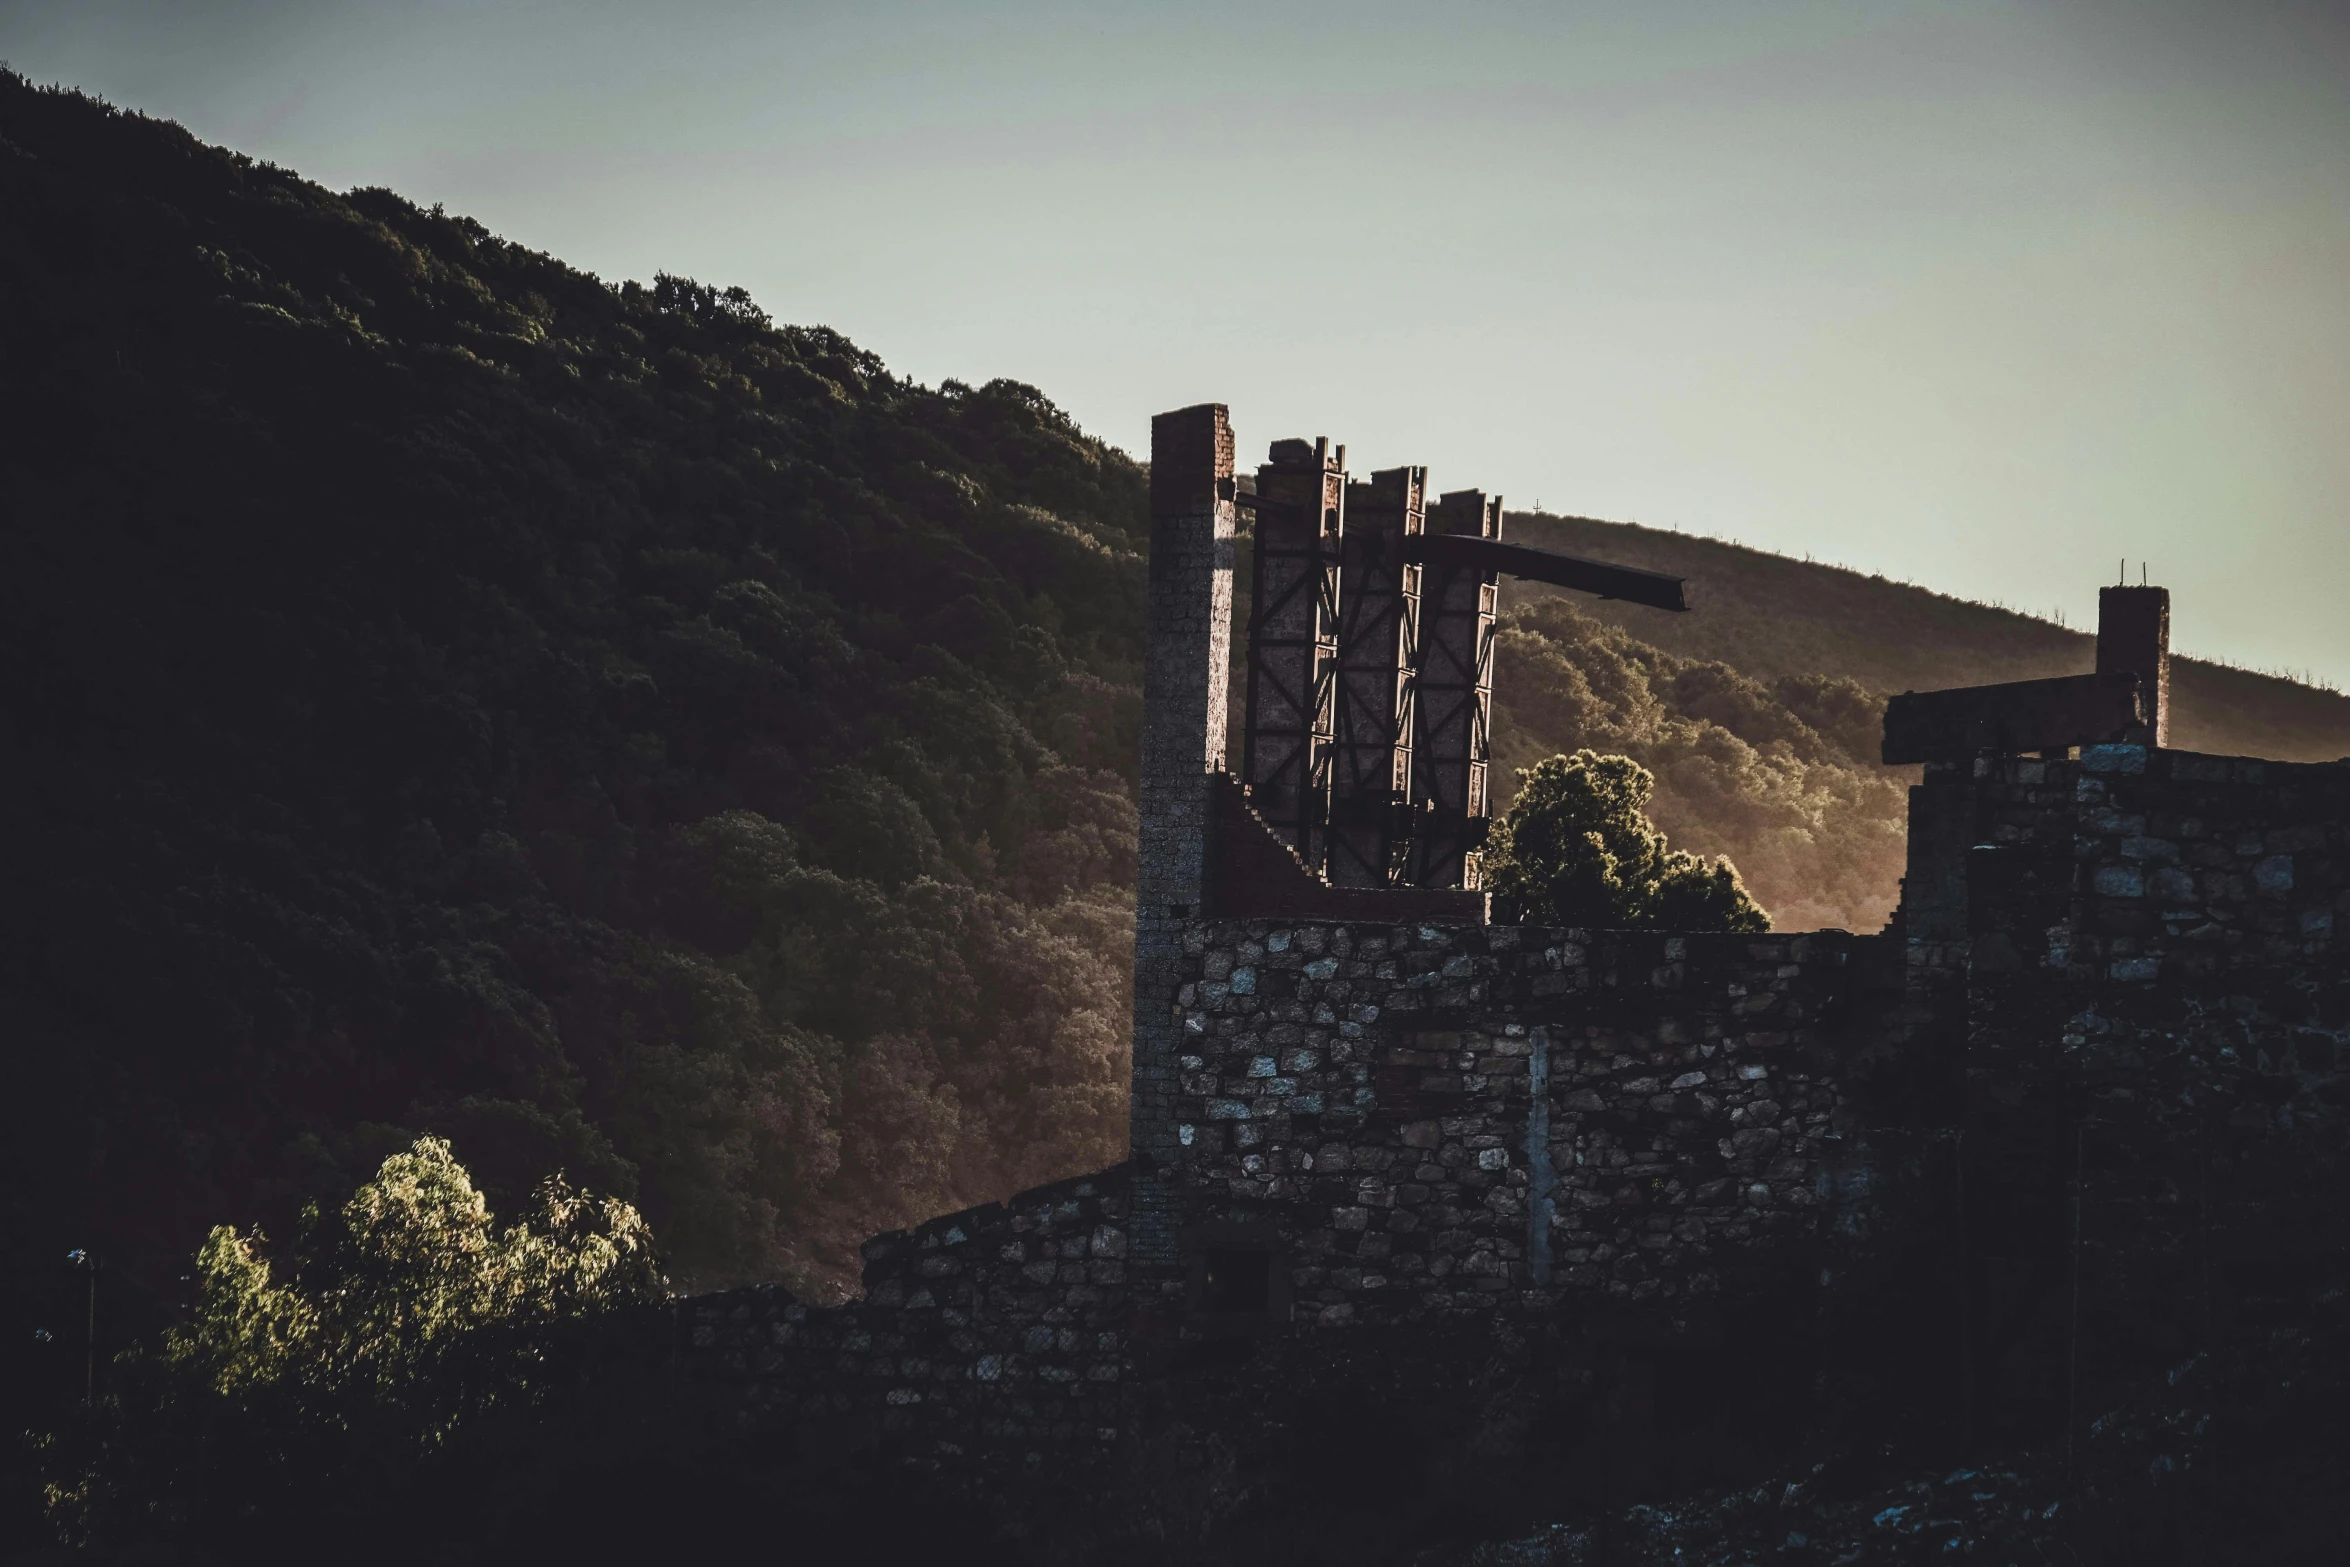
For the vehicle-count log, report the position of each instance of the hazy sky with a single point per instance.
(1987, 296)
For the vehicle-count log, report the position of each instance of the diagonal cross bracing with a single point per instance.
(1378, 653)
(1293, 643)
(1453, 696)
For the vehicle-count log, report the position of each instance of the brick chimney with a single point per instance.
(1187, 645)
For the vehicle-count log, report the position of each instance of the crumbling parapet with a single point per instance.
(992, 1340)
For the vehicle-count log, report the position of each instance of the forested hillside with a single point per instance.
(444, 693)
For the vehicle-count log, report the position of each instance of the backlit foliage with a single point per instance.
(319, 1378)
(1576, 848)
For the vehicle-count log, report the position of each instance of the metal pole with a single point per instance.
(2072, 1374)
(1966, 1311)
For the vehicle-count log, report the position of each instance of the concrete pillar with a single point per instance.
(1378, 645)
(2133, 634)
(1453, 699)
(1185, 685)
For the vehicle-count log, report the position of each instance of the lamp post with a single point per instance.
(83, 1259)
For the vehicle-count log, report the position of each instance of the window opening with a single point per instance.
(1238, 1281)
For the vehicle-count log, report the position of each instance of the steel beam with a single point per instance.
(1629, 583)
(1293, 643)
(1453, 693)
(1378, 651)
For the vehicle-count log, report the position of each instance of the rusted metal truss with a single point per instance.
(1368, 748)
(1452, 741)
(1378, 658)
(1293, 643)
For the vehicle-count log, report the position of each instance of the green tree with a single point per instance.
(1576, 847)
(397, 1324)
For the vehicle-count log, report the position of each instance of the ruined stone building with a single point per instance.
(1555, 1214)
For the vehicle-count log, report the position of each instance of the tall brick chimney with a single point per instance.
(1187, 645)
(2133, 634)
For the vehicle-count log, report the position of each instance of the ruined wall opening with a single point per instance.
(1233, 1280)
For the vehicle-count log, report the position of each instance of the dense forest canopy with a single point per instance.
(445, 694)
(591, 722)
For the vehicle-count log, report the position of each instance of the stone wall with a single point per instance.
(992, 1339)
(1432, 1119)
(1504, 1143)
(2154, 1008)
(1493, 1213)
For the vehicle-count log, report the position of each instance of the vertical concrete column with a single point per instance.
(1378, 645)
(1185, 684)
(1453, 699)
(2133, 634)
(1293, 643)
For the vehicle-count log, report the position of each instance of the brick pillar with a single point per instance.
(2133, 634)
(1378, 645)
(1453, 699)
(1184, 689)
(1293, 643)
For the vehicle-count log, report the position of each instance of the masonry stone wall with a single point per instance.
(1503, 1211)
(1432, 1129)
(1437, 1119)
(2148, 975)
(993, 1338)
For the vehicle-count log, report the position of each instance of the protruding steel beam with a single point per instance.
(1489, 554)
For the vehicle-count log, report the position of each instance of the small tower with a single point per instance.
(2133, 637)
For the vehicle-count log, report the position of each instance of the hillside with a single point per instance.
(1770, 615)
(443, 692)
(1759, 710)
(448, 692)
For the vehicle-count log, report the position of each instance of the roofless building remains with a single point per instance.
(1604, 1205)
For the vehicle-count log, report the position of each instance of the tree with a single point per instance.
(398, 1323)
(1577, 848)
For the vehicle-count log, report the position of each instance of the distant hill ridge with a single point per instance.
(1770, 615)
